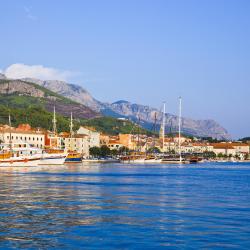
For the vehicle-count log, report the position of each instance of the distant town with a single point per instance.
(90, 143)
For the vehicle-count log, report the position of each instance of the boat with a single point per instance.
(132, 158)
(53, 157)
(195, 159)
(19, 155)
(100, 160)
(175, 160)
(140, 159)
(153, 160)
(73, 157)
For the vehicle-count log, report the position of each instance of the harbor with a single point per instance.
(115, 205)
(27, 146)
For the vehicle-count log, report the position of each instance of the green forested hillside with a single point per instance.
(28, 109)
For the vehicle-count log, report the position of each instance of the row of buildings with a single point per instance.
(85, 138)
(80, 141)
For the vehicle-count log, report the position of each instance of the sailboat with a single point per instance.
(53, 155)
(19, 154)
(178, 160)
(73, 156)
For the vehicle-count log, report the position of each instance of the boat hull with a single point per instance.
(143, 161)
(52, 161)
(175, 162)
(73, 160)
(20, 163)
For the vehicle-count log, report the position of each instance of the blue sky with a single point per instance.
(142, 51)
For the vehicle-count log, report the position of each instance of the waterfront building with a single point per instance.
(53, 141)
(104, 139)
(78, 143)
(114, 145)
(169, 145)
(93, 136)
(199, 147)
(127, 140)
(23, 134)
(230, 148)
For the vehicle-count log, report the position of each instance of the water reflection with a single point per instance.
(117, 206)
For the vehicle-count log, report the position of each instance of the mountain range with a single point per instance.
(124, 109)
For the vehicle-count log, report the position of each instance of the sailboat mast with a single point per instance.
(154, 130)
(54, 122)
(180, 102)
(71, 125)
(10, 141)
(163, 125)
(138, 135)
(71, 131)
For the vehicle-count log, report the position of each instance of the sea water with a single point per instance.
(117, 206)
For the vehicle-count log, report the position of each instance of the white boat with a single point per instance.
(19, 155)
(132, 159)
(52, 159)
(152, 160)
(175, 161)
(142, 160)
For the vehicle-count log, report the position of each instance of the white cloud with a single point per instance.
(18, 70)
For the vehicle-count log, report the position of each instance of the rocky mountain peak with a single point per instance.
(72, 91)
(20, 87)
(123, 108)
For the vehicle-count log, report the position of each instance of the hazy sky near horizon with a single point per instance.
(142, 51)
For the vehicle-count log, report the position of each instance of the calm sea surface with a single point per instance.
(115, 206)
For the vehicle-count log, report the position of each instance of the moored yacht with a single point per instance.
(19, 154)
(53, 157)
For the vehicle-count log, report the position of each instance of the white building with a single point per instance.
(16, 135)
(78, 143)
(230, 148)
(93, 136)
